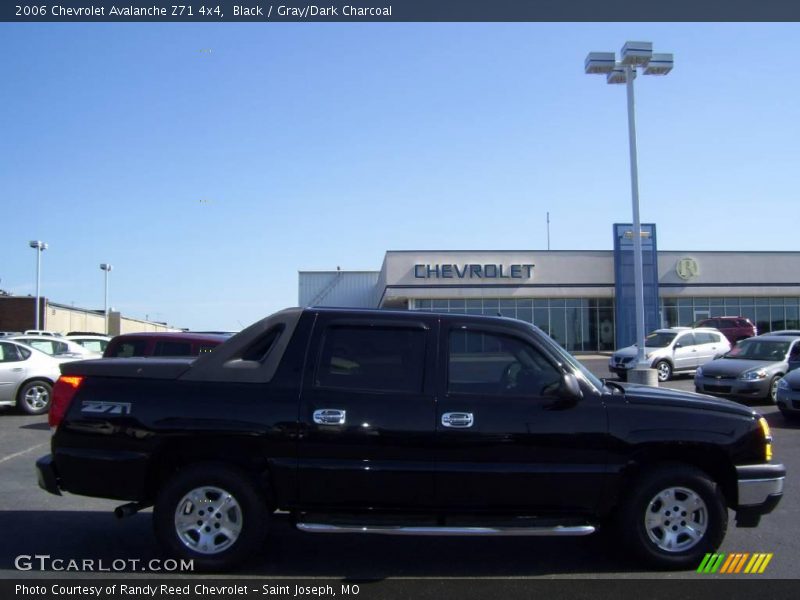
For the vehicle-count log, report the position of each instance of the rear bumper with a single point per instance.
(760, 489)
(47, 476)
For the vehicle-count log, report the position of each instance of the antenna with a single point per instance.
(548, 230)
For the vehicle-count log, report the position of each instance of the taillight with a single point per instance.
(63, 392)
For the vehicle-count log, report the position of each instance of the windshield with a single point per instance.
(571, 360)
(752, 349)
(659, 339)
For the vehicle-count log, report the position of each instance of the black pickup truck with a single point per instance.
(404, 423)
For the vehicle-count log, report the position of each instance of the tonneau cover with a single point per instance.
(138, 367)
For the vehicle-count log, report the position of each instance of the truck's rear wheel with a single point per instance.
(673, 516)
(212, 514)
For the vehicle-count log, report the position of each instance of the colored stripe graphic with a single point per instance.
(734, 563)
(729, 563)
(741, 562)
(711, 563)
(759, 563)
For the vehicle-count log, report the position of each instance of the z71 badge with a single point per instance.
(106, 408)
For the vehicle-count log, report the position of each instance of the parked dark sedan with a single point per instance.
(752, 369)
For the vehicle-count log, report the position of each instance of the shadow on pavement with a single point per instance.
(37, 426)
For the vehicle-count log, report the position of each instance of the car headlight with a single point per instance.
(699, 372)
(754, 375)
(783, 384)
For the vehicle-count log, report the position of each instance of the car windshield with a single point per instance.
(753, 349)
(659, 339)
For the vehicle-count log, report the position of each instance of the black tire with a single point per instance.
(34, 397)
(645, 519)
(664, 370)
(772, 391)
(233, 532)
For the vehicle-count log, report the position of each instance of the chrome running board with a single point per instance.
(557, 530)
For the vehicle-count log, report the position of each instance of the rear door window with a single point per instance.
(383, 359)
(704, 337)
(45, 346)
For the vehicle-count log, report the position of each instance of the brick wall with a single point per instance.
(17, 313)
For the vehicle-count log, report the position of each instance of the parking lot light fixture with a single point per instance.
(107, 268)
(40, 247)
(634, 55)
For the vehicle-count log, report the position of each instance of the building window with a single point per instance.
(767, 313)
(578, 324)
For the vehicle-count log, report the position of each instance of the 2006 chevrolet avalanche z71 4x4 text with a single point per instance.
(404, 423)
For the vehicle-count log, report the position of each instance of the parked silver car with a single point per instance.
(752, 369)
(26, 377)
(675, 350)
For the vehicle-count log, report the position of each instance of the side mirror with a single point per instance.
(570, 388)
(567, 394)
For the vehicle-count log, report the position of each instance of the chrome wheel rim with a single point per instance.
(676, 519)
(773, 391)
(663, 371)
(208, 520)
(36, 397)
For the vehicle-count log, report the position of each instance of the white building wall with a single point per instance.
(354, 289)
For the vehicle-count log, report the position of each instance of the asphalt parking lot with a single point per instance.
(34, 522)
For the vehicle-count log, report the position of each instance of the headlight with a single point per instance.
(754, 375)
(699, 372)
(783, 384)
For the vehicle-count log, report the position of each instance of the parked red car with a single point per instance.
(733, 328)
(171, 343)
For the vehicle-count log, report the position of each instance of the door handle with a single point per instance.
(17, 369)
(329, 416)
(459, 420)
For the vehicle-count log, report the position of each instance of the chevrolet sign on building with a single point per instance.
(470, 271)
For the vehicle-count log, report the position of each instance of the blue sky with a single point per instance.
(210, 163)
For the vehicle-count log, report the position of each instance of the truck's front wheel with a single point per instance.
(673, 516)
(212, 514)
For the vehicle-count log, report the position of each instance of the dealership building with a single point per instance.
(583, 298)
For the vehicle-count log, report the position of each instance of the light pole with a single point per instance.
(107, 268)
(633, 56)
(40, 247)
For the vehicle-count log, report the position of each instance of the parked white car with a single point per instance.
(59, 347)
(26, 377)
(93, 343)
(675, 350)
